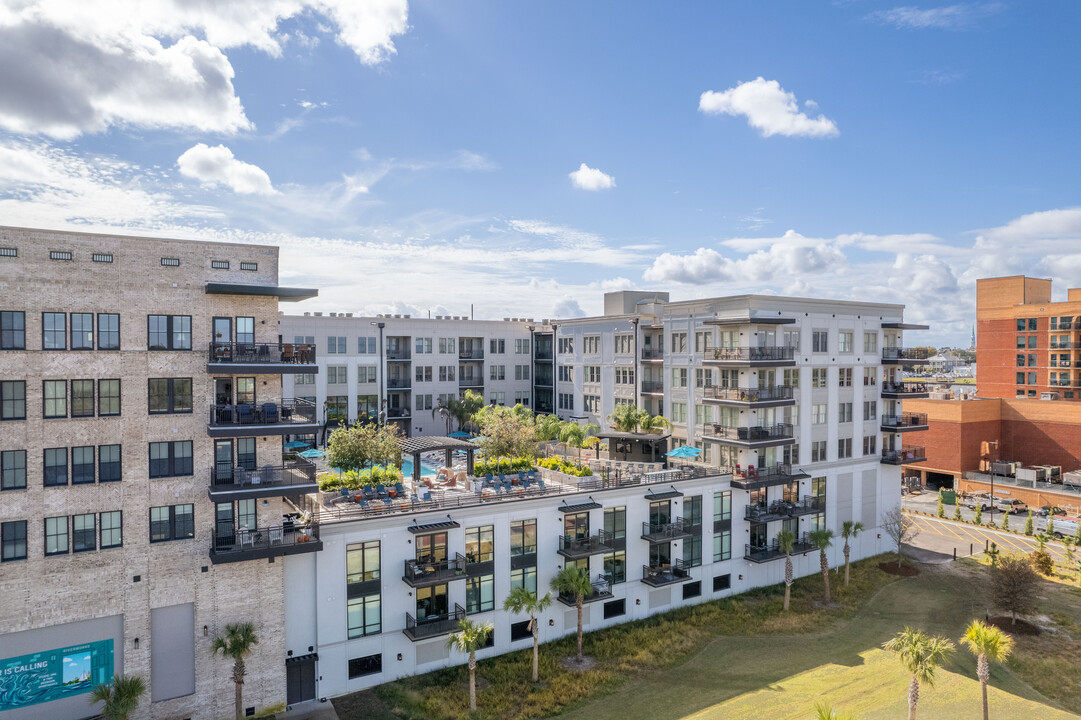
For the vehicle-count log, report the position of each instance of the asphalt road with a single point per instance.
(928, 503)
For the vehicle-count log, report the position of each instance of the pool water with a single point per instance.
(425, 469)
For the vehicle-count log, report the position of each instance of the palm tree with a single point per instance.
(652, 423)
(574, 583)
(786, 539)
(465, 407)
(987, 643)
(575, 435)
(444, 413)
(526, 601)
(825, 712)
(823, 539)
(849, 530)
(920, 654)
(471, 637)
(624, 418)
(547, 427)
(237, 643)
(121, 696)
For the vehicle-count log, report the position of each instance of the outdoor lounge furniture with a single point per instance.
(363, 504)
(399, 489)
(270, 413)
(243, 413)
(246, 537)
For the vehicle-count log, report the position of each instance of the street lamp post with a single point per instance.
(381, 417)
(994, 456)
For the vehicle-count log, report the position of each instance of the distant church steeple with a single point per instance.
(973, 345)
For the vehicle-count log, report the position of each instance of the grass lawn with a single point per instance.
(743, 658)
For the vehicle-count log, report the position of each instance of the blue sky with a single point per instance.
(525, 157)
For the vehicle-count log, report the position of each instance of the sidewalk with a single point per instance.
(309, 710)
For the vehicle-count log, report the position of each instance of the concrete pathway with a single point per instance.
(310, 710)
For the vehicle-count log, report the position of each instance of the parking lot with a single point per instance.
(928, 503)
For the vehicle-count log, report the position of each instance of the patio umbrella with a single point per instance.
(684, 451)
(311, 454)
(460, 434)
(295, 444)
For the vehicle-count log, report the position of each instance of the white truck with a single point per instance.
(1065, 526)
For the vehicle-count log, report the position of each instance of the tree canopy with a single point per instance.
(363, 444)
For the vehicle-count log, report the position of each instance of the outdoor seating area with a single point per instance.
(287, 411)
(262, 353)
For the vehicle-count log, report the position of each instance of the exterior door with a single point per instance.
(223, 461)
(223, 391)
(223, 330)
(300, 680)
(224, 523)
(576, 526)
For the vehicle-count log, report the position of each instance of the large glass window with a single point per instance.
(54, 331)
(169, 395)
(245, 453)
(245, 391)
(55, 399)
(82, 398)
(109, 463)
(12, 399)
(82, 465)
(112, 529)
(615, 567)
(108, 331)
(168, 332)
(245, 330)
(172, 522)
(524, 578)
(56, 467)
(13, 540)
(108, 397)
(13, 470)
(722, 506)
(82, 331)
(56, 535)
(362, 562)
(480, 594)
(615, 522)
(169, 459)
(722, 546)
(12, 330)
(523, 537)
(431, 548)
(367, 665)
(84, 533)
(365, 615)
(692, 510)
(479, 543)
(692, 551)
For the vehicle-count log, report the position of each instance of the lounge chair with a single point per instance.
(364, 504)
(540, 484)
(246, 537)
(243, 414)
(380, 491)
(399, 489)
(388, 504)
(488, 477)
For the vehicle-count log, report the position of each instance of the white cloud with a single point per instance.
(587, 178)
(568, 307)
(947, 17)
(767, 107)
(74, 67)
(218, 166)
(773, 265)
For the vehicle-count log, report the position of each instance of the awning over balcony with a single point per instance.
(580, 507)
(421, 529)
(284, 294)
(750, 320)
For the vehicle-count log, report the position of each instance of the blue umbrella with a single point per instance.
(311, 453)
(460, 434)
(684, 451)
(295, 444)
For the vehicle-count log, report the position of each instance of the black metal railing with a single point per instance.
(397, 413)
(756, 433)
(896, 354)
(269, 353)
(665, 574)
(602, 589)
(543, 380)
(477, 381)
(434, 625)
(471, 354)
(783, 509)
(542, 354)
(224, 476)
(431, 572)
(666, 530)
(571, 546)
(652, 353)
(286, 412)
(903, 387)
(398, 383)
(907, 453)
(653, 386)
(772, 549)
(751, 354)
(904, 420)
(756, 477)
(398, 354)
(260, 540)
(745, 394)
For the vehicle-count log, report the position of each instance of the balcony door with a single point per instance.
(223, 461)
(223, 391)
(576, 526)
(758, 497)
(224, 526)
(767, 378)
(660, 512)
(767, 338)
(432, 548)
(759, 535)
(660, 554)
(432, 603)
(223, 330)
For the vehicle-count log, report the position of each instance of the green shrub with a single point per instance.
(1043, 562)
(329, 482)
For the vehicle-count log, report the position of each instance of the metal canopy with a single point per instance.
(580, 507)
(904, 326)
(663, 494)
(416, 445)
(432, 527)
(644, 437)
(284, 294)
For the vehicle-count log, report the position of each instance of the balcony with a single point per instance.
(751, 357)
(783, 510)
(574, 547)
(904, 422)
(907, 454)
(266, 542)
(755, 478)
(905, 356)
(657, 532)
(471, 354)
(902, 390)
(544, 354)
(398, 413)
(289, 417)
(398, 383)
(277, 358)
(398, 354)
(433, 625)
(666, 574)
(653, 387)
(751, 397)
(471, 382)
(543, 380)
(772, 550)
(434, 572)
(653, 353)
(228, 483)
(753, 437)
(602, 590)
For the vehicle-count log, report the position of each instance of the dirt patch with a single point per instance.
(571, 663)
(1021, 627)
(904, 571)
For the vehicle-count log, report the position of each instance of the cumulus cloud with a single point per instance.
(767, 107)
(568, 307)
(587, 178)
(706, 265)
(74, 67)
(218, 166)
(947, 17)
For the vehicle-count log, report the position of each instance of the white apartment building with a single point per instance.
(412, 364)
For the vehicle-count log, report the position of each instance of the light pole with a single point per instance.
(533, 368)
(994, 456)
(381, 416)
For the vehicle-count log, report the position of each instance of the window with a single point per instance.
(566, 346)
(679, 412)
(566, 373)
(615, 608)
(56, 399)
(12, 399)
(818, 414)
(722, 506)
(424, 401)
(56, 467)
(703, 341)
(219, 264)
(592, 373)
(109, 463)
(521, 346)
(9, 252)
(497, 372)
(521, 630)
(679, 377)
(84, 534)
(870, 409)
(172, 522)
(679, 342)
(108, 397)
(1033, 342)
(722, 582)
(169, 395)
(336, 345)
(82, 465)
(524, 578)
(870, 342)
(13, 470)
(1032, 324)
(791, 377)
(82, 398)
(869, 443)
(818, 451)
(12, 330)
(82, 331)
(338, 407)
(844, 448)
(521, 372)
(566, 401)
(818, 377)
(844, 412)
(844, 341)
(365, 346)
(692, 589)
(479, 543)
(591, 403)
(336, 375)
(245, 453)
(870, 376)
(591, 344)
(365, 615)
(367, 665)
(844, 377)
(170, 262)
(496, 346)
(1020, 342)
(365, 374)
(479, 594)
(362, 562)
(523, 537)
(624, 343)
(692, 551)
(56, 536)
(249, 266)
(615, 567)
(54, 331)
(497, 398)
(1031, 360)
(423, 345)
(1032, 378)
(424, 373)
(171, 459)
(13, 540)
(722, 546)
(1020, 324)
(168, 332)
(819, 341)
(703, 377)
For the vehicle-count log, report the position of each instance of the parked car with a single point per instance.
(983, 500)
(1014, 506)
(1050, 510)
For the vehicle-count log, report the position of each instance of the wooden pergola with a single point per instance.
(415, 446)
(628, 439)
